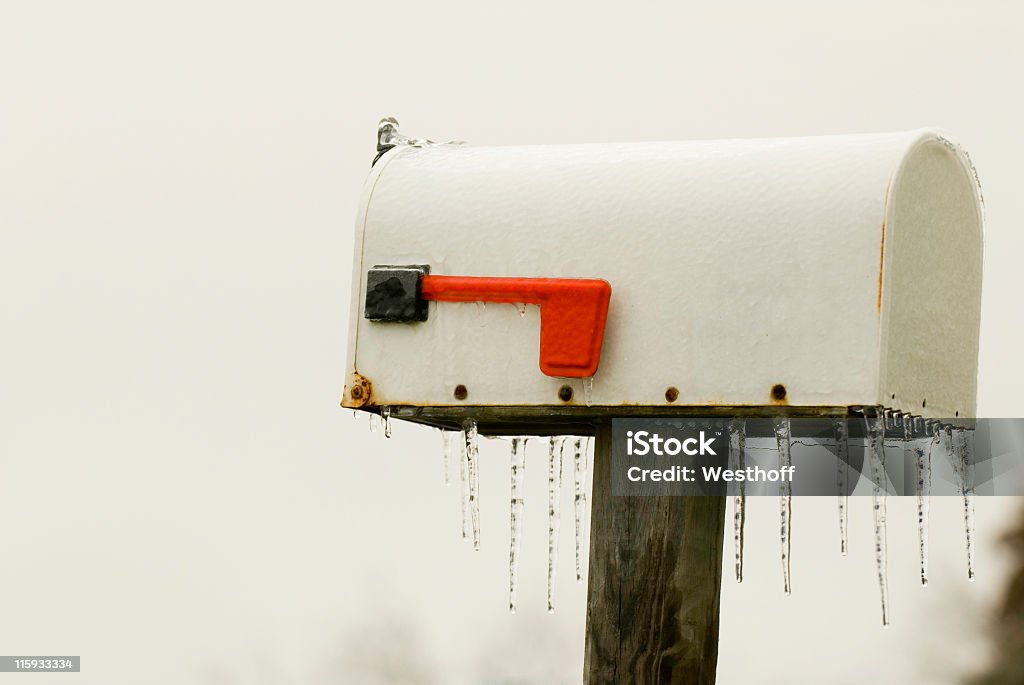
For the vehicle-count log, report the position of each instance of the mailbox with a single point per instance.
(538, 283)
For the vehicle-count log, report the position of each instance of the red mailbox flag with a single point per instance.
(572, 313)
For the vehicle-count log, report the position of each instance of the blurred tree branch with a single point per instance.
(1007, 629)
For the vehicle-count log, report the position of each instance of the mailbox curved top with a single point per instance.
(832, 271)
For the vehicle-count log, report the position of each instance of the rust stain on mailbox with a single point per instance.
(881, 266)
(359, 394)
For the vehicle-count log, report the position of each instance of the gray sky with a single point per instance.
(182, 499)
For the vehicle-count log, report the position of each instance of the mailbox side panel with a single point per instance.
(358, 390)
(931, 300)
(735, 266)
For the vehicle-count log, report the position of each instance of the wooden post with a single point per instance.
(655, 584)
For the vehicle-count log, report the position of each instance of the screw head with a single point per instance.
(565, 393)
(671, 394)
(460, 392)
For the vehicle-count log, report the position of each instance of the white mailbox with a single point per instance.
(813, 273)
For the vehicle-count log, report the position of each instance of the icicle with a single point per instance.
(385, 416)
(934, 432)
(876, 448)
(965, 458)
(579, 500)
(922, 458)
(782, 436)
(554, 488)
(588, 454)
(521, 308)
(449, 444)
(473, 474)
(518, 470)
(840, 428)
(947, 447)
(738, 440)
(355, 414)
(464, 478)
(969, 500)
(588, 390)
(374, 419)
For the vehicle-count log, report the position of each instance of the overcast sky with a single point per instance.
(181, 498)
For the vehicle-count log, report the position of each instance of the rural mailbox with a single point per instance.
(809, 273)
(547, 290)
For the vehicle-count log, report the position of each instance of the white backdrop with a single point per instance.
(182, 500)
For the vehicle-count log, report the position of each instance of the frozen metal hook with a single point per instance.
(388, 136)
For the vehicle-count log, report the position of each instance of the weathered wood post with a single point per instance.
(655, 583)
